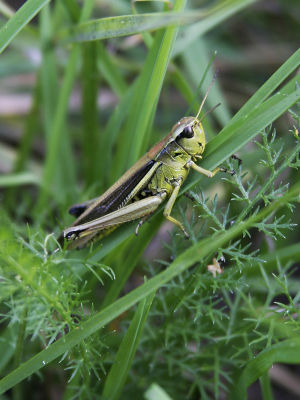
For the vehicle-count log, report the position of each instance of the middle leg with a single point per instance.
(167, 211)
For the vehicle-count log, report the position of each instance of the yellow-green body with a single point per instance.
(173, 161)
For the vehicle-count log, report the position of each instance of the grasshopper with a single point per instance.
(157, 176)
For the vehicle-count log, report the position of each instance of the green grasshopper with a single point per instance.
(158, 175)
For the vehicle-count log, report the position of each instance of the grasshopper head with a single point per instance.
(189, 134)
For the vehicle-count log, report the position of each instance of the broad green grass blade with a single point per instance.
(188, 258)
(118, 373)
(16, 23)
(287, 352)
(258, 119)
(124, 25)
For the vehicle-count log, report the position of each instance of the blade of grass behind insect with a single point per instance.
(181, 82)
(195, 58)
(90, 132)
(208, 67)
(30, 129)
(110, 136)
(22, 156)
(48, 74)
(109, 71)
(50, 88)
(222, 12)
(20, 19)
(189, 257)
(194, 104)
(183, 86)
(51, 166)
(135, 135)
(119, 371)
(287, 352)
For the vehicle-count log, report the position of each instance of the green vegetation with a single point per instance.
(148, 316)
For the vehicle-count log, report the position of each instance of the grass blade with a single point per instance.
(287, 352)
(195, 58)
(59, 119)
(110, 72)
(16, 23)
(124, 25)
(121, 366)
(90, 141)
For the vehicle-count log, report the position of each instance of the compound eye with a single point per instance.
(187, 132)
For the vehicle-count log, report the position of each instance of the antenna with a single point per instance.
(206, 94)
(209, 111)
